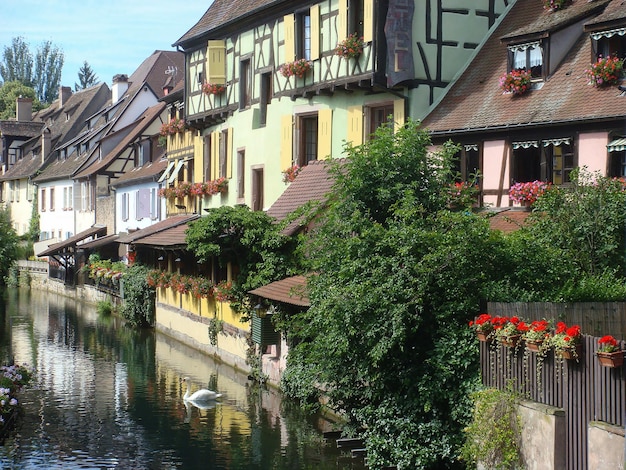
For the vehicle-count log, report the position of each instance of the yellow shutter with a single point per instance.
(198, 158)
(215, 154)
(286, 142)
(342, 20)
(289, 23)
(315, 32)
(398, 114)
(229, 153)
(216, 62)
(368, 20)
(324, 133)
(355, 125)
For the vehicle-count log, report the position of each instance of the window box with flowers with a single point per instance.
(527, 193)
(184, 189)
(213, 89)
(290, 174)
(174, 126)
(605, 71)
(509, 331)
(516, 82)
(609, 352)
(483, 327)
(554, 5)
(351, 47)
(537, 336)
(567, 341)
(299, 68)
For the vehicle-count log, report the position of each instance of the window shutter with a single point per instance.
(215, 154)
(216, 62)
(143, 204)
(315, 32)
(368, 20)
(198, 157)
(289, 23)
(286, 142)
(229, 153)
(398, 114)
(342, 20)
(355, 125)
(324, 132)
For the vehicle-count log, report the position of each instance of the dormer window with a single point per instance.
(609, 43)
(527, 56)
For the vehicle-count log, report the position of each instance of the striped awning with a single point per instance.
(617, 145)
(609, 33)
(525, 144)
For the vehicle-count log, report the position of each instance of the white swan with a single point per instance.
(201, 395)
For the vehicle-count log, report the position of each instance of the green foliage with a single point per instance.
(494, 434)
(139, 297)
(33, 224)
(17, 62)
(216, 326)
(398, 277)
(8, 244)
(86, 77)
(104, 308)
(248, 239)
(9, 92)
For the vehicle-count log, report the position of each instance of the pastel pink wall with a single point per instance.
(493, 152)
(592, 151)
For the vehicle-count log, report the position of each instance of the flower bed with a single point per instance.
(516, 82)
(606, 71)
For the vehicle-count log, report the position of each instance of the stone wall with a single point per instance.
(606, 446)
(543, 436)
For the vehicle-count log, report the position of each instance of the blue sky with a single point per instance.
(113, 36)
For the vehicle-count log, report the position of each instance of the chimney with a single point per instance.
(23, 109)
(64, 94)
(45, 144)
(120, 85)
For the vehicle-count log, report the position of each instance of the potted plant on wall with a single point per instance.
(509, 331)
(351, 47)
(609, 353)
(537, 338)
(605, 71)
(527, 193)
(567, 341)
(299, 68)
(516, 82)
(482, 326)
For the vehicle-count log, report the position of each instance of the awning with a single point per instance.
(170, 165)
(525, 144)
(176, 170)
(70, 243)
(556, 142)
(617, 145)
(288, 291)
(609, 33)
(523, 47)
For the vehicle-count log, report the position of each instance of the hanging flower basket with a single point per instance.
(606, 71)
(299, 68)
(516, 82)
(610, 354)
(351, 47)
(213, 89)
(571, 353)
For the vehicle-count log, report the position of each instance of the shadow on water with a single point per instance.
(111, 397)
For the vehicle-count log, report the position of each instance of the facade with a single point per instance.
(564, 121)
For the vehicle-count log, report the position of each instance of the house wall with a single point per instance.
(606, 446)
(135, 219)
(61, 219)
(592, 151)
(142, 101)
(105, 212)
(20, 203)
(495, 169)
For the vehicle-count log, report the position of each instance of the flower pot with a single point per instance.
(482, 336)
(534, 345)
(570, 353)
(612, 359)
(510, 341)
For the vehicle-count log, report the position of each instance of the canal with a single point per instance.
(107, 397)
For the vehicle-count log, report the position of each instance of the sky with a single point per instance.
(113, 36)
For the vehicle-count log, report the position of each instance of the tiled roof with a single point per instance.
(152, 71)
(507, 220)
(72, 242)
(139, 126)
(475, 101)
(168, 223)
(147, 172)
(615, 12)
(313, 183)
(289, 291)
(223, 12)
(168, 238)
(21, 128)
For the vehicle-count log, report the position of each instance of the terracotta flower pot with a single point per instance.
(570, 353)
(612, 359)
(511, 341)
(534, 345)
(482, 336)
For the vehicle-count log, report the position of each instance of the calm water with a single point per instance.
(108, 397)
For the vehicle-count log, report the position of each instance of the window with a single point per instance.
(51, 199)
(617, 157)
(125, 206)
(17, 190)
(42, 198)
(245, 84)
(468, 163)
(142, 204)
(142, 154)
(266, 96)
(549, 160)
(377, 116)
(355, 17)
(207, 158)
(30, 190)
(608, 43)
(527, 56)
(303, 35)
(68, 198)
(223, 153)
(257, 189)
(307, 139)
(241, 168)
(87, 195)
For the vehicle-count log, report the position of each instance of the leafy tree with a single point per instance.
(17, 62)
(9, 92)
(8, 244)
(33, 225)
(86, 77)
(251, 241)
(48, 67)
(43, 73)
(398, 275)
(139, 297)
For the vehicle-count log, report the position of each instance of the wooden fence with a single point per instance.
(584, 389)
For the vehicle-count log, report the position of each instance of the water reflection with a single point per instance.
(110, 397)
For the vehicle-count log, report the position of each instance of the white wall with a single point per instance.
(143, 206)
(59, 216)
